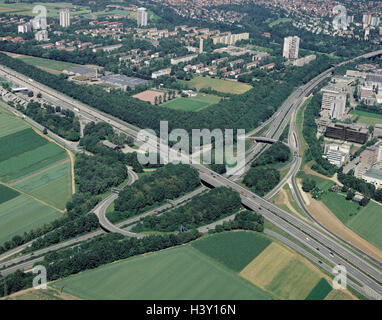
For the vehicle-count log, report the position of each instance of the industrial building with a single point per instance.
(373, 176)
(333, 103)
(123, 82)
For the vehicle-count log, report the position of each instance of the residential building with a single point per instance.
(41, 35)
(229, 38)
(65, 18)
(160, 73)
(187, 58)
(141, 17)
(291, 47)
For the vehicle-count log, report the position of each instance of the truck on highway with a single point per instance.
(76, 109)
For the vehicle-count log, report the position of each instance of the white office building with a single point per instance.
(336, 154)
(64, 18)
(291, 47)
(141, 17)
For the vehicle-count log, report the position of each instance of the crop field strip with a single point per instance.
(22, 214)
(7, 194)
(52, 185)
(29, 162)
(35, 178)
(19, 142)
(9, 124)
(367, 223)
(235, 249)
(275, 268)
(169, 274)
(320, 291)
(189, 273)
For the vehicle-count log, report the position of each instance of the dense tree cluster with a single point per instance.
(367, 189)
(168, 182)
(62, 122)
(373, 109)
(261, 180)
(200, 210)
(277, 153)
(244, 220)
(96, 174)
(72, 228)
(308, 184)
(315, 150)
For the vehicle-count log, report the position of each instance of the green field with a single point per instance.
(342, 208)
(367, 223)
(320, 291)
(46, 63)
(38, 170)
(224, 86)
(176, 273)
(7, 194)
(367, 117)
(278, 21)
(323, 184)
(30, 162)
(22, 214)
(293, 281)
(192, 104)
(52, 186)
(233, 249)
(19, 142)
(9, 124)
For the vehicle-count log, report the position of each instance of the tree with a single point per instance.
(130, 141)
(350, 195)
(30, 94)
(364, 202)
(308, 184)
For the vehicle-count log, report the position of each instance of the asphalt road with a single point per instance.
(295, 227)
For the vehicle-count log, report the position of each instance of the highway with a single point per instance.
(281, 118)
(300, 230)
(75, 241)
(101, 208)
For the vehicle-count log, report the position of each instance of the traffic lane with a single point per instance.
(221, 181)
(314, 245)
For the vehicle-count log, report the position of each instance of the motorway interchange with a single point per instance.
(328, 247)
